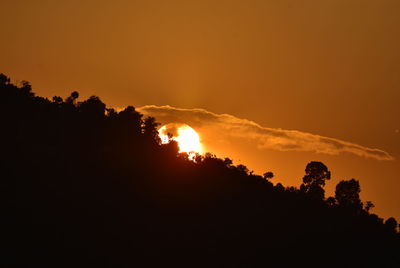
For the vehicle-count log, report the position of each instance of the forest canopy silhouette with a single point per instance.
(87, 185)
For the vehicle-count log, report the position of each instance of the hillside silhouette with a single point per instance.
(87, 186)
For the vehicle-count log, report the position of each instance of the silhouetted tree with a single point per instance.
(26, 89)
(314, 180)
(291, 189)
(268, 175)
(242, 168)
(279, 187)
(150, 129)
(228, 162)
(72, 98)
(347, 193)
(391, 224)
(129, 122)
(92, 107)
(57, 100)
(368, 206)
(4, 79)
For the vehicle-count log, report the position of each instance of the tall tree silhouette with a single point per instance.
(314, 180)
(92, 107)
(347, 193)
(72, 98)
(150, 129)
(391, 224)
(4, 79)
(268, 175)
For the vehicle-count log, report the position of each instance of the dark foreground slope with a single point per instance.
(87, 186)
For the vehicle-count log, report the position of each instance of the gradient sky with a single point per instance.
(330, 68)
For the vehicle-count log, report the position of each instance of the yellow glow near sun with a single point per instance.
(187, 138)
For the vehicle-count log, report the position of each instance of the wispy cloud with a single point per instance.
(265, 138)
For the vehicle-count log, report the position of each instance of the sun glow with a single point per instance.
(187, 138)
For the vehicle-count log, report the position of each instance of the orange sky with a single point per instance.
(330, 68)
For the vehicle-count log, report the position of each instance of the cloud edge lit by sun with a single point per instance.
(266, 138)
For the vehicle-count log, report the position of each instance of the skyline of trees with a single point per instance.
(94, 186)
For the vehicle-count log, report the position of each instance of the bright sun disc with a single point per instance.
(187, 138)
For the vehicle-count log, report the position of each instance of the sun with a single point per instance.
(188, 139)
